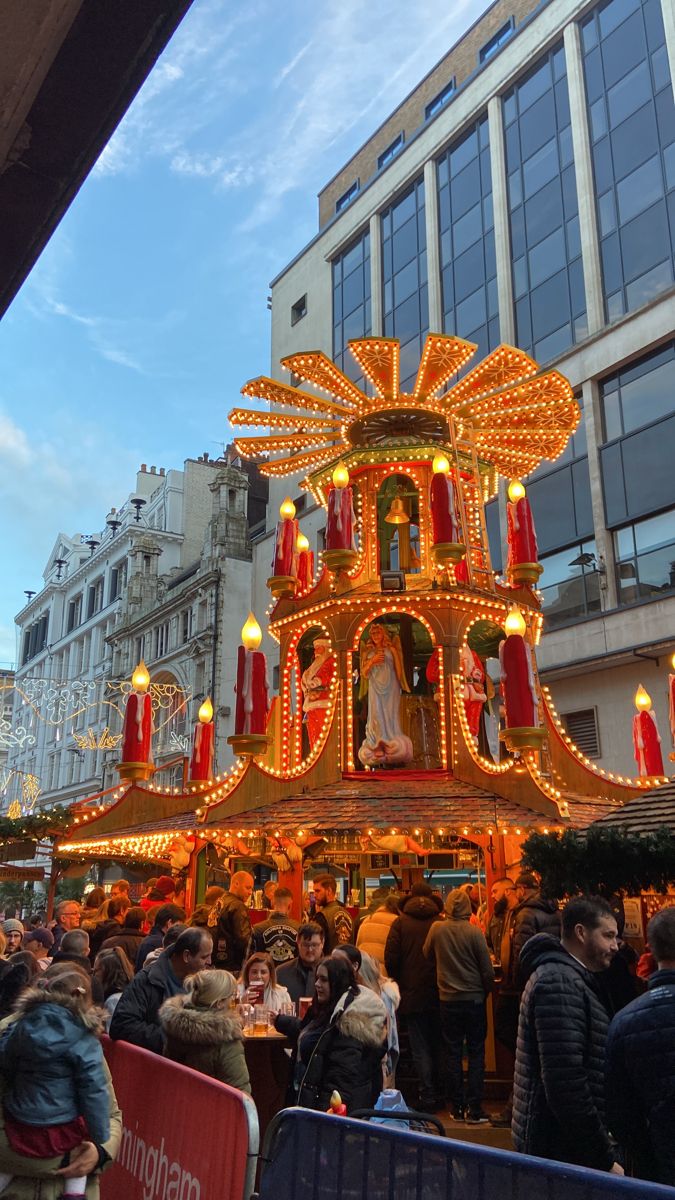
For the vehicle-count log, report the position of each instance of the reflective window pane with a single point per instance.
(351, 302)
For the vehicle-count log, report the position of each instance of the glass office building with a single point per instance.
(536, 205)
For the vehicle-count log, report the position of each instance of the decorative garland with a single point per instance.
(601, 861)
(47, 822)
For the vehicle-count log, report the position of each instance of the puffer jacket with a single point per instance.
(136, 1017)
(374, 931)
(348, 1055)
(52, 1061)
(535, 915)
(641, 1080)
(559, 1087)
(209, 1040)
(403, 957)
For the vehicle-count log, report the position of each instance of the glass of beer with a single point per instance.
(260, 1021)
(303, 1004)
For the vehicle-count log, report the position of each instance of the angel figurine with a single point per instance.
(383, 678)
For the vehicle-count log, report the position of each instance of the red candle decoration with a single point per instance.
(252, 687)
(285, 552)
(137, 729)
(522, 565)
(445, 529)
(305, 564)
(671, 701)
(646, 740)
(521, 702)
(203, 737)
(340, 520)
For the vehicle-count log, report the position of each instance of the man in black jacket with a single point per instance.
(559, 1087)
(641, 1065)
(297, 976)
(416, 978)
(165, 917)
(277, 935)
(534, 914)
(229, 924)
(331, 914)
(135, 1018)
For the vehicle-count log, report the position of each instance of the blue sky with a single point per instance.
(147, 310)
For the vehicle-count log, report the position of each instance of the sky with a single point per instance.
(146, 312)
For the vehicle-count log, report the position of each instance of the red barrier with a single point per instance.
(186, 1136)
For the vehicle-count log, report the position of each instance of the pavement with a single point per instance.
(480, 1135)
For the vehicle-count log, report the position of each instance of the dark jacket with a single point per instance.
(532, 916)
(403, 956)
(230, 927)
(276, 936)
(297, 978)
(641, 1080)
(152, 942)
(207, 1039)
(128, 940)
(337, 925)
(98, 934)
(348, 1055)
(558, 1089)
(52, 1060)
(464, 971)
(136, 1016)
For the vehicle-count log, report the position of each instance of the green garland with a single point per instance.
(46, 822)
(601, 861)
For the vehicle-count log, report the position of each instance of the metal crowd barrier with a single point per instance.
(313, 1156)
(185, 1136)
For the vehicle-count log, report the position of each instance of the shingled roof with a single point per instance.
(644, 814)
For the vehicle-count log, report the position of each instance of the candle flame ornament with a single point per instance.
(521, 566)
(137, 730)
(203, 745)
(515, 621)
(250, 719)
(340, 553)
(516, 491)
(519, 690)
(251, 633)
(284, 581)
(305, 563)
(646, 738)
(340, 476)
(447, 543)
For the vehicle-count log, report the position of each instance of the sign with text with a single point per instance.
(21, 874)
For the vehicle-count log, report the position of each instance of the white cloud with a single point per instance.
(290, 66)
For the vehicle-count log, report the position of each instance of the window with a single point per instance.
(404, 277)
(496, 41)
(347, 197)
(351, 303)
(582, 727)
(139, 648)
(642, 393)
(548, 281)
(632, 125)
(95, 598)
(434, 106)
(645, 558)
(186, 625)
(118, 580)
(299, 310)
(570, 584)
(392, 150)
(467, 244)
(74, 615)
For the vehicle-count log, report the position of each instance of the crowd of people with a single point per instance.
(593, 1046)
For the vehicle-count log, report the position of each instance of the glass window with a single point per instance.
(625, 67)
(439, 101)
(392, 150)
(639, 394)
(502, 35)
(347, 197)
(570, 584)
(351, 303)
(645, 558)
(404, 273)
(468, 260)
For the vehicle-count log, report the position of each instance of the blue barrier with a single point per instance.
(312, 1156)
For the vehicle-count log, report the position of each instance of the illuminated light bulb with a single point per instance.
(301, 543)
(205, 713)
(140, 680)
(516, 490)
(287, 509)
(251, 633)
(672, 661)
(642, 700)
(340, 476)
(440, 465)
(515, 621)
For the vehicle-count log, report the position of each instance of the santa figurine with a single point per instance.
(316, 683)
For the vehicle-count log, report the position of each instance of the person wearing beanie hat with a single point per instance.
(13, 931)
(165, 885)
(465, 976)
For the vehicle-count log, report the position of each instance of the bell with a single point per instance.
(397, 514)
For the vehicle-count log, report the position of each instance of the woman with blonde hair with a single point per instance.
(372, 976)
(203, 1032)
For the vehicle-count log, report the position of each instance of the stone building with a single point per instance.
(524, 192)
(153, 585)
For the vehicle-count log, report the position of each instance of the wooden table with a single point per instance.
(269, 1071)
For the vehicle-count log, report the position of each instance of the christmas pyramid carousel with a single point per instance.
(410, 718)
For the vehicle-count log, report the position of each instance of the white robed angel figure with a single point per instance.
(383, 679)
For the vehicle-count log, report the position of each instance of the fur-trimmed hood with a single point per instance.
(198, 1026)
(35, 1000)
(364, 1019)
(390, 989)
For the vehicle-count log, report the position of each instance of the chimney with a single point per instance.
(162, 471)
(153, 470)
(143, 467)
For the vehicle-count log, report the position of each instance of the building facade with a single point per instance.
(525, 193)
(167, 580)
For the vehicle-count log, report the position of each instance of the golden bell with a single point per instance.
(397, 514)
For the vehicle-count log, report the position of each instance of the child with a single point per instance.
(52, 1062)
